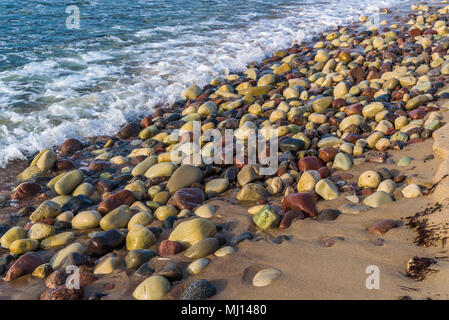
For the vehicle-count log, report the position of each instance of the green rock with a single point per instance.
(57, 240)
(69, 182)
(416, 102)
(30, 172)
(321, 103)
(404, 162)
(139, 237)
(42, 271)
(85, 189)
(13, 234)
(47, 209)
(193, 231)
(135, 258)
(143, 218)
(327, 189)
(370, 110)
(107, 265)
(202, 248)
(433, 125)
(399, 136)
(152, 288)
(251, 192)
(56, 260)
(377, 199)
(163, 212)
(266, 80)
(266, 219)
(21, 246)
(47, 160)
(116, 219)
(342, 162)
(354, 119)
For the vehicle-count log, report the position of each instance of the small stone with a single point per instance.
(171, 272)
(135, 258)
(387, 186)
(205, 211)
(251, 192)
(47, 209)
(369, 179)
(163, 212)
(266, 219)
(144, 270)
(412, 191)
(305, 202)
(192, 231)
(197, 266)
(107, 266)
(56, 260)
(153, 288)
(224, 251)
(73, 259)
(26, 190)
(143, 218)
(62, 293)
(57, 240)
(67, 183)
(42, 271)
(86, 220)
(353, 199)
(265, 277)
(202, 249)
(289, 217)
(342, 162)
(187, 198)
(352, 208)
(404, 162)
(39, 231)
(184, 176)
(105, 242)
(240, 237)
(168, 248)
(13, 234)
(328, 215)
(47, 160)
(377, 199)
(116, 219)
(21, 246)
(216, 186)
(24, 265)
(327, 189)
(382, 227)
(139, 237)
(120, 198)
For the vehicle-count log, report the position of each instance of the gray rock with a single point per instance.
(199, 290)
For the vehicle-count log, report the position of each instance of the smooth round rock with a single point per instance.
(21, 246)
(369, 179)
(152, 288)
(197, 266)
(135, 258)
(139, 237)
(69, 182)
(107, 266)
(193, 231)
(224, 251)
(265, 277)
(202, 248)
(57, 240)
(377, 199)
(342, 162)
(39, 231)
(184, 176)
(412, 191)
(47, 209)
(116, 219)
(86, 220)
(143, 218)
(163, 212)
(56, 260)
(327, 189)
(216, 186)
(387, 186)
(206, 211)
(13, 234)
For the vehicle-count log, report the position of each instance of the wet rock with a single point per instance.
(57, 240)
(128, 131)
(206, 211)
(105, 242)
(184, 176)
(70, 146)
(171, 272)
(328, 215)
(327, 189)
(62, 293)
(24, 265)
(265, 277)
(73, 259)
(251, 192)
(289, 217)
(352, 208)
(202, 248)
(135, 258)
(193, 231)
(139, 237)
(39, 231)
(187, 198)
(305, 202)
(168, 248)
(77, 204)
(412, 191)
(86, 220)
(144, 270)
(12, 235)
(107, 265)
(369, 179)
(56, 279)
(56, 260)
(26, 190)
(216, 186)
(240, 237)
(47, 209)
(116, 219)
(197, 266)
(309, 163)
(68, 182)
(122, 197)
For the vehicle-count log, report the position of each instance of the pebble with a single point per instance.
(56, 260)
(404, 162)
(412, 191)
(193, 231)
(24, 265)
(353, 208)
(108, 265)
(172, 272)
(202, 248)
(139, 237)
(266, 218)
(47, 209)
(105, 242)
(240, 237)
(197, 266)
(86, 220)
(224, 251)
(184, 176)
(382, 227)
(199, 290)
(327, 189)
(206, 211)
(13, 234)
(265, 277)
(216, 186)
(369, 179)
(152, 288)
(116, 219)
(39, 231)
(377, 199)
(57, 240)
(135, 258)
(304, 202)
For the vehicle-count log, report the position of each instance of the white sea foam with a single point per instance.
(95, 92)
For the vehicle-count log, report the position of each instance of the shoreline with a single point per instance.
(309, 255)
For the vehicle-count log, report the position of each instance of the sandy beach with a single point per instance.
(360, 117)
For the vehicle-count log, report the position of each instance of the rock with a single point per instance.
(105, 242)
(168, 248)
(224, 251)
(187, 198)
(56, 279)
(129, 130)
(68, 182)
(202, 248)
(404, 162)
(288, 218)
(116, 219)
(144, 270)
(352, 208)
(291, 144)
(168, 222)
(24, 265)
(47, 160)
(240, 237)
(171, 272)
(107, 266)
(216, 186)
(327, 154)
(57, 240)
(135, 258)
(328, 215)
(142, 167)
(416, 102)
(120, 198)
(56, 260)
(206, 211)
(70, 146)
(143, 218)
(265, 277)
(199, 290)
(411, 191)
(153, 288)
(274, 185)
(266, 219)
(47, 209)
(377, 199)
(369, 179)
(355, 119)
(163, 212)
(21, 246)
(197, 266)
(77, 204)
(13, 234)
(305, 202)
(192, 231)
(320, 104)
(327, 189)
(39, 231)
(26, 190)
(342, 162)
(308, 181)
(190, 93)
(251, 192)
(42, 271)
(370, 110)
(139, 237)
(382, 227)
(309, 163)
(73, 259)
(86, 220)
(248, 173)
(62, 293)
(387, 186)
(184, 176)
(163, 169)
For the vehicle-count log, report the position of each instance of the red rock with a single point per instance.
(288, 218)
(62, 293)
(382, 227)
(367, 191)
(98, 165)
(357, 74)
(390, 131)
(64, 164)
(417, 114)
(386, 67)
(429, 31)
(373, 75)
(24, 265)
(104, 186)
(87, 278)
(26, 190)
(146, 122)
(368, 92)
(327, 154)
(414, 32)
(70, 146)
(353, 109)
(329, 242)
(130, 130)
(416, 140)
(399, 94)
(187, 198)
(324, 172)
(338, 103)
(169, 248)
(116, 200)
(309, 163)
(352, 138)
(55, 279)
(305, 202)
(399, 178)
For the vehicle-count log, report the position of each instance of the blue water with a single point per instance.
(128, 56)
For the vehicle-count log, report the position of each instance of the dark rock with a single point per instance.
(168, 222)
(105, 243)
(24, 265)
(171, 272)
(187, 198)
(70, 146)
(305, 202)
(288, 218)
(116, 200)
(26, 190)
(328, 215)
(135, 258)
(62, 293)
(169, 248)
(291, 144)
(199, 290)
(130, 130)
(73, 259)
(144, 270)
(77, 204)
(241, 237)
